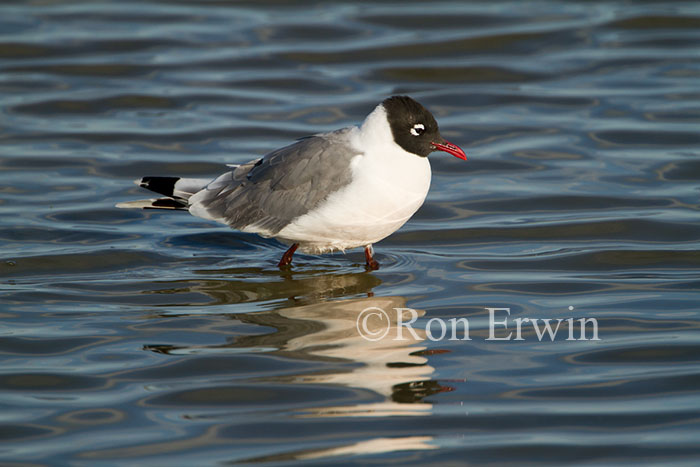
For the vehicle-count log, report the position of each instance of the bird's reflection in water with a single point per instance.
(312, 324)
(389, 367)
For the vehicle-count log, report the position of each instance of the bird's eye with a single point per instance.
(417, 129)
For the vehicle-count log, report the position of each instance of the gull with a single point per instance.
(332, 191)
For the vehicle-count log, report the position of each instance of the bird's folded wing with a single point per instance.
(266, 195)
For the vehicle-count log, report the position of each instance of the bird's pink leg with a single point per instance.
(287, 256)
(372, 263)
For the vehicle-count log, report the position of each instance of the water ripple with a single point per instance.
(162, 338)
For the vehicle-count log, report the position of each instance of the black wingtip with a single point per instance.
(162, 185)
(166, 203)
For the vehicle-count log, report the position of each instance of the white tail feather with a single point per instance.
(186, 187)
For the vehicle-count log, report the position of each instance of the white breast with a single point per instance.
(387, 188)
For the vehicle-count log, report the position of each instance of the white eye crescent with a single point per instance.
(417, 129)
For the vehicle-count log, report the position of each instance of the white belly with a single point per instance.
(387, 188)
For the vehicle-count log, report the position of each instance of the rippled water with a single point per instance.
(155, 337)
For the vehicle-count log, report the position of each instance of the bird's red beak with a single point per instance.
(451, 149)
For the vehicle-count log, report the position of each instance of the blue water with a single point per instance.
(148, 337)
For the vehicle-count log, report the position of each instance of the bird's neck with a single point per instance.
(375, 131)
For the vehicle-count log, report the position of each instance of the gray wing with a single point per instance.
(266, 195)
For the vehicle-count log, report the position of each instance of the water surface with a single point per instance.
(154, 337)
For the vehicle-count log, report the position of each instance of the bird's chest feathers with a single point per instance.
(389, 183)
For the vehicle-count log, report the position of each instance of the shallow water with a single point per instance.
(155, 337)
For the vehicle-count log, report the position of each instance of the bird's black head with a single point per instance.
(414, 128)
